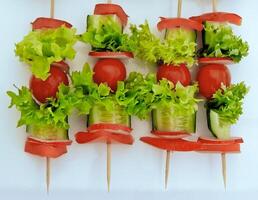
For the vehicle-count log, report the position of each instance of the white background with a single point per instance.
(138, 170)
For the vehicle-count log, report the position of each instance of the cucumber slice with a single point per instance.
(188, 34)
(97, 22)
(47, 132)
(217, 127)
(166, 120)
(99, 114)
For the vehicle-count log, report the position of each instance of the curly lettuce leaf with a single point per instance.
(140, 95)
(228, 102)
(220, 41)
(53, 113)
(107, 36)
(40, 48)
(173, 50)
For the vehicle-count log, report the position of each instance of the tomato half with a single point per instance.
(111, 9)
(174, 74)
(48, 23)
(109, 71)
(170, 23)
(219, 17)
(42, 90)
(210, 77)
(215, 60)
(62, 65)
(109, 54)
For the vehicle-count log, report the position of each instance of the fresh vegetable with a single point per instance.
(174, 74)
(166, 120)
(43, 90)
(104, 33)
(111, 9)
(232, 140)
(173, 50)
(214, 60)
(218, 17)
(52, 114)
(220, 41)
(188, 34)
(141, 95)
(171, 23)
(210, 78)
(40, 48)
(227, 102)
(49, 23)
(109, 54)
(62, 65)
(109, 71)
(99, 114)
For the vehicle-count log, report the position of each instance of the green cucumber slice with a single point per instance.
(166, 120)
(99, 114)
(47, 132)
(180, 32)
(97, 22)
(217, 127)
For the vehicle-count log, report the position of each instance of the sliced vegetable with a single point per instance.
(174, 74)
(61, 65)
(108, 54)
(219, 41)
(210, 78)
(109, 71)
(188, 34)
(169, 134)
(108, 8)
(43, 90)
(40, 48)
(49, 23)
(222, 61)
(218, 17)
(233, 140)
(171, 23)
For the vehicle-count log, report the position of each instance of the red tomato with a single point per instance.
(109, 71)
(175, 74)
(48, 23)
(210, 77)
(42, 90)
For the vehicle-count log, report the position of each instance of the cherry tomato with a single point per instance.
(109, 71)
(175, 74)
(42, 90)
(210, 77)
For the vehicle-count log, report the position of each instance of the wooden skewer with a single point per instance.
(108, 165)
(214, 5)
(109, 1)
(167, 169)
(48, 169)
(224, 169)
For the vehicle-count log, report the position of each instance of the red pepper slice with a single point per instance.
(170, 23)
(48, 23)
(103, 135)
(109, 54)
(46, 149)
(234, 140)
(171, 144)
(178, 134)
(214, 60)
(111, 9)
(61, 65)
(220, 148)
(114, 127)
(219, 17)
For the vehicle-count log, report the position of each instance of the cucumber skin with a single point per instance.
(172, 129)
(47, 133)
(118, 113)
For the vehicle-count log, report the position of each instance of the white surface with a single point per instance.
(138, 170)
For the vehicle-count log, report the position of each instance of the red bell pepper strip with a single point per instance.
(234, 140)
(170, 23)
(214, 60)
(114, 127)
(171, 144)
(48, 23)
(219, 17)
(111, 9)
(178, 134)
(46, 149)
(219, 148)
(109, 54)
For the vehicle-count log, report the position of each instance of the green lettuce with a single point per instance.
(54, 112)
(141, 95)
(228, 102)
(40, 48)
(220, 41)
(173, 50)
(107, 37)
